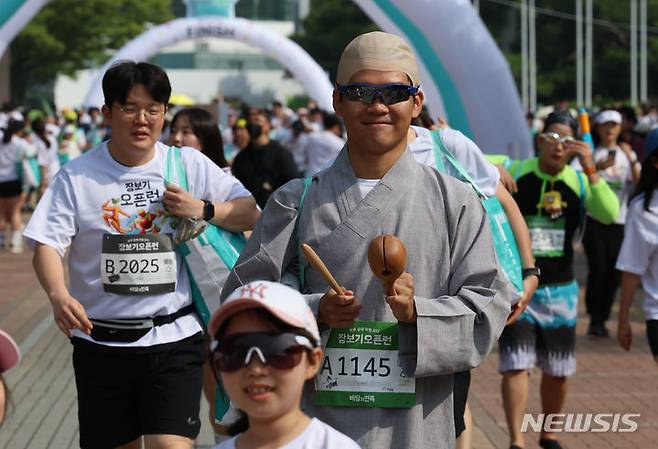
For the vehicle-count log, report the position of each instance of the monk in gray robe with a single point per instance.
(387, 376)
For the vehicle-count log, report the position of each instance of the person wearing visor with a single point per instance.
(266, 346)
(443, 315)
(553, 198)
(138, 346)
(617, 163)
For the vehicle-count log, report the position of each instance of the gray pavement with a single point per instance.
(44, 412)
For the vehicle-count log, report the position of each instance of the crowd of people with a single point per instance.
(288, 360)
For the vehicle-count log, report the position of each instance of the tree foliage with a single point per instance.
(329, 27)
(69, 35)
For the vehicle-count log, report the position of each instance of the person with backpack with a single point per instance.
(553, 198)
(138, 343)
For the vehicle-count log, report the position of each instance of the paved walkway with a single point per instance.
(44, 412)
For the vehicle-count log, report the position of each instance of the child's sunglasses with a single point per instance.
(279, 351)
(387, 93)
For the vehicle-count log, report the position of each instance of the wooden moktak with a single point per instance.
(387, 257)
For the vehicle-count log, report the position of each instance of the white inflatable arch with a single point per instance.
(464, 75)
(278, 47)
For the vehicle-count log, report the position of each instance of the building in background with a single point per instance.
(209, 68)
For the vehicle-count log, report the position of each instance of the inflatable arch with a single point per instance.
(278, 47)
(465, 77)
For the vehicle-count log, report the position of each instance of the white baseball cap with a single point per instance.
(608, 116)
(283, 302)
(10, 355)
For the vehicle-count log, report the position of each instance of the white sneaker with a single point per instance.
(16, 249)
(16, 246)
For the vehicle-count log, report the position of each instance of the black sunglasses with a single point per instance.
(387, 93)
(279, 351)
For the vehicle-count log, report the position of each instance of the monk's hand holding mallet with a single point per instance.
(387, 257)
(338, 307)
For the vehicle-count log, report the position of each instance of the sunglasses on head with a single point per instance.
(279, 351)
(387, 93)
(555, 138)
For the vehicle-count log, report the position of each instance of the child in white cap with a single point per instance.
(266, 346)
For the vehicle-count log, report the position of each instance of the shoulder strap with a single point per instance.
(438, 149)
(174, 170)
(307, 183)
(440, 146)
(518, 169)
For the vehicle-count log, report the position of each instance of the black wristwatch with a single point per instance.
(531, 271)
(208, 210)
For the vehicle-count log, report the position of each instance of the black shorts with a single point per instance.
(10, 189)
(461, 384)
(652, 336)
(124, 393)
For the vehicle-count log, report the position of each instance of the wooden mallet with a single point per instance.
(317, 263)
(387, 257)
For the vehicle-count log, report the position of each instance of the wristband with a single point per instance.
(208, 210)
(589, 171)
(531, 271)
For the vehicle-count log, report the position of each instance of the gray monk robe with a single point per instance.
(462, 299)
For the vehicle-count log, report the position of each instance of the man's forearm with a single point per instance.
(236, 215)
(50, 270)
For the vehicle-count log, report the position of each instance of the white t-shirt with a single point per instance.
(619, 177)
(47, 157)
(366, 185)
(317, 435)
(469, 155)
(322, 148)
(639, 251)
(95, 195)
(11, 154)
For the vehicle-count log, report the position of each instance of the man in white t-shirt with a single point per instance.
(138, 345)
(323, 146)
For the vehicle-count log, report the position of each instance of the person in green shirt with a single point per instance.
(553, 198)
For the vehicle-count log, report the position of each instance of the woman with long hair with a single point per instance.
(638, 258)
(196, 128)
(12, 151)
(617, 163)
(47, 153)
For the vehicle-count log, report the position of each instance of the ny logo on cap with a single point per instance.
(253, 291)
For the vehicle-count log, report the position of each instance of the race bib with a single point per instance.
(546, 235)
(361, 369)
(138, 264)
